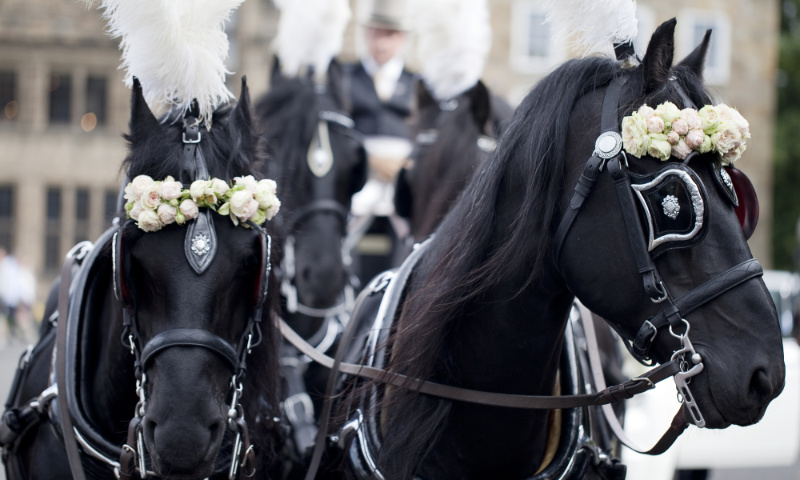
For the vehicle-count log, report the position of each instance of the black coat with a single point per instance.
(371, 115)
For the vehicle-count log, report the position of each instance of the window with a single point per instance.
(9, 105)
(692, 27)
(60, 98)
(81, 215)
(52, 243)
(110, 205)
(6, 217)
(96, 99)
(533, 49)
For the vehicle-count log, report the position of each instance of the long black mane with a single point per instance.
(500, 232)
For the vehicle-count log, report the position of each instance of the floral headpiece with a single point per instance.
(668, 130)
(154, 204)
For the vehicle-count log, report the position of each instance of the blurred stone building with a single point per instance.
(63, 106)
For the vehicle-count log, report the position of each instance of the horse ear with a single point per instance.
(141, 116)
(242, 116)
(658, 59)
(695, 60)
(424, 97)
(481, 105)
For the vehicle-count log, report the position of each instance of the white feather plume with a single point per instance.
(453, 42)
(594, 26)
(310, 34)
(176, 48)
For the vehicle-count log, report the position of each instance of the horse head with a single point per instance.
(452, 138)
(320, 158)
(193, 284)
(673, 251)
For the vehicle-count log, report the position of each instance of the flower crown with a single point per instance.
(154, 204)
(668, 130)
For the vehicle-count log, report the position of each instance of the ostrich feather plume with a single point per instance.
(310, 34)
(594, 26)
(453, 42)
(176, 48)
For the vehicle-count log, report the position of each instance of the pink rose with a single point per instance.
(673, 137)
(189, 209)
(694, 139)
(726, 138)
(692, 119)
(150, 197)
(170, 189)
(681, 149)
(680, 126)
(655, 125)
(167, 213)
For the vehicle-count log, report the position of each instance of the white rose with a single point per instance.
(167, 213)
(189, 209)
(241, 204)
(198, 189)
(265, 193)
(668, 111)
(219, 187)
(149, 222)
(646, 112)
(129, 193)
(681, 149)
(659, 147)
(150, 198)
(733, 155)
(741, 123)
(170, 189)
(273, 209)
(249, 183)
(634, 135)
(136, 210)
(695, 138)
(140, 184)
(710, 119)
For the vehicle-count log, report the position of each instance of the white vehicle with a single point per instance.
(773, 442)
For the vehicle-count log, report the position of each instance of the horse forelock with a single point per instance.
(231, 148)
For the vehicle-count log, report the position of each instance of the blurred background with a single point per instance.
(64, 108)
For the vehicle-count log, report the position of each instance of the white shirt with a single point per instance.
(384, 76)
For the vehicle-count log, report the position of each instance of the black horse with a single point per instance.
(320, 162)
(452, 138)
(181, 392)
(486, 306)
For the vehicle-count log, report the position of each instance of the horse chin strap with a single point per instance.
(608, 153)
(133, 458)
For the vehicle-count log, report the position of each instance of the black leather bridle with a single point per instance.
(608, 156)
(132, 460)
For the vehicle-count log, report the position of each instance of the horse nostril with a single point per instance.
(760, 385)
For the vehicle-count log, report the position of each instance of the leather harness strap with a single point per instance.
(612, 394)
(70, 442)
(679, 422)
